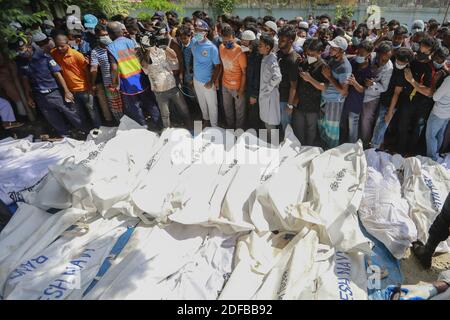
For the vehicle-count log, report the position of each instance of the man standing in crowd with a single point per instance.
(156, 64)
(310, 86)
(110, 101)
(234, 63)
(337, 73)
(381, 69)
(269, 96)
(42, 78)
(75, 71)
(206, 73)
(249, 46)
(288, 61)
(134, 84)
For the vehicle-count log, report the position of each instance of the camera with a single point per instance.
(151, 38)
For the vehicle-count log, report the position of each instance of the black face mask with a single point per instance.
(422, 56)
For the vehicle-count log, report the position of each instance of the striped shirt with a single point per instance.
(99, 57)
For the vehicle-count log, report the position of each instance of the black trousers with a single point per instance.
(440, 229)
(411, 126)
(304, 125)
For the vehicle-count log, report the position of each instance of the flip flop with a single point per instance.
(13, 125)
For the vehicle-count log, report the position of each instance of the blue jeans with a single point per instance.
(380, 127)
(82, 102)
(285, 117)
(353, 127)
(435, 135)
(133, 105)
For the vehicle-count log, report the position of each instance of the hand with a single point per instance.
(68, 96)
(351, 80)
(306, 76)
(416, 292)
(369, 82)
(388, 117)
(31, 102)
(288, 110)
(252, 101)
(408, 75)
(326, 72)
(209, 85)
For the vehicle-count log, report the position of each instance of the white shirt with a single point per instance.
(441, 97)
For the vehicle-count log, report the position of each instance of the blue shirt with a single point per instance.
(187, 58)
(341, 71)
(206, 56)
(39, 70)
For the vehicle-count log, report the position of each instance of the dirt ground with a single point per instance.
(414, 273)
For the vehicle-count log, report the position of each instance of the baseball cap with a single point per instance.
(158, 15)
(339, 42)
(90, 21)
(48, 23)
(38, 37)
(271, 25)
(248, 35)
(202, 25)
(303, 25)
(418, 25)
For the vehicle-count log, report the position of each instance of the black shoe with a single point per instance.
(423, 254)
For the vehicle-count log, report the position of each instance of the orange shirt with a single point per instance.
(73, 65)
(234, 62)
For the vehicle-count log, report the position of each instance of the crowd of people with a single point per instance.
(332, 81)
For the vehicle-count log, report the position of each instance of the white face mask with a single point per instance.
(311, 60)
(400, 66)
(245, 48)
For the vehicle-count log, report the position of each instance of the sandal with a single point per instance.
(13, 125)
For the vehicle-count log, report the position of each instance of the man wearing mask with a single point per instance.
(288, 61)
(42, 80)
(249, 45)
(134, 85)
(90, 22)
(399, 37)
(101, 81)
(358, 82)
(393, 97)
(48, 27)
(302, 33)
(185, 39)
(392, 25)
(75, 71)
(440, 114)
(417, 105)
(337, 73)
(156, 63)
(382, 69)
(206, 73)
(271, 28)
(310, 86)
(234, 64)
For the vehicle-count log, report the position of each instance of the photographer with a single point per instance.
(157, 61)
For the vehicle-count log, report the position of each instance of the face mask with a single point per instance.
(396, 46)
(324, 25)
(229, 44)
(360, 59)
(422, 56)
(415, 47)
(198, 36)
(48, 31)
(245, 48)
(438, 65)
(105, 40)
(400, 66)
(311, 60)
(390, 34)
(356, 41)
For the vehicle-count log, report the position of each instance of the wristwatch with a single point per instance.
(290, 106)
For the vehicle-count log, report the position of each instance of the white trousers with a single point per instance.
(6, 111)
(207, 99)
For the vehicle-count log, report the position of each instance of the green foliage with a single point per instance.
(341, 11)
(220, 7)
